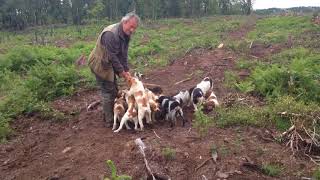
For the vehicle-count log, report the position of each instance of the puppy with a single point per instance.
(183, 97)
(131, 113)
(197, 93)
(211, 101)
(138, 91)
(154, 106)
(171, 108)
(119, 109)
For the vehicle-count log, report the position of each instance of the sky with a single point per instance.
(265, 4)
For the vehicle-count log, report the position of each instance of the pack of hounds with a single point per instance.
(137, 102)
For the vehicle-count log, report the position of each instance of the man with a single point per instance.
(110, 58)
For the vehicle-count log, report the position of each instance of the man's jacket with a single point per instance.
(109, 56)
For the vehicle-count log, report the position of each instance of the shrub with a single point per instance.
(47, 82)
(169, 153)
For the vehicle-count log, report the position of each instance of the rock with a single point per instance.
(67, 149)
(220, 46)
(186, 154)
(55, 177)
(222, 175)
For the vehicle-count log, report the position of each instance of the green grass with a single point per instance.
(34, 70)
(202, 121)
(268, 115)
(316, 174)
(273, 170)
(277, 29)
(169, 153)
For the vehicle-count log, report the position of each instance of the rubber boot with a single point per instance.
(108, 102)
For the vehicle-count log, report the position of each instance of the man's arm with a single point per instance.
(113, 48)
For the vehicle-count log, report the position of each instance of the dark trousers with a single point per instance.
(109, 92)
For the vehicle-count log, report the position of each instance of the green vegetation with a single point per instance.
(316, 174)
(169, 153)
(114, 175)
(202, 121)
(32, 74)
(273, 170)
(277, 29)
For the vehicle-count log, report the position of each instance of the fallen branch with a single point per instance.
(288, 131)
(202, 164)
(251, 45)
(184, 80)
(156, 134)
(93, 105)
(254, 56)
(141, 146)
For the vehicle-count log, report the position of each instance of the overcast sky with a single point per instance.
(265, 4)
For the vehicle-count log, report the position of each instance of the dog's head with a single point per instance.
(197, 96)
(156, 90)
(132, 81)
(138, 75)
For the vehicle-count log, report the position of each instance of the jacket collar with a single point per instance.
(122, 34)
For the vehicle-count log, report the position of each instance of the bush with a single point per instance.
(48, 82)
(4, 127)
(300, 79)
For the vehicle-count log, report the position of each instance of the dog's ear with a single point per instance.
(190, 90)
(138, 75)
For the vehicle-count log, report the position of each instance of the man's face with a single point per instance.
(130, 26)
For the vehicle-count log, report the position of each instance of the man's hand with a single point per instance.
(125, 75)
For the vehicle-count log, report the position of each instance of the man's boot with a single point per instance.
(108, 101)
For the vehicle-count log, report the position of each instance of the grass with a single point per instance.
(272, 170)
(316, 174)
(169, 153)
(277, 29)
(114, 175)
(35, 70)
(202, 121)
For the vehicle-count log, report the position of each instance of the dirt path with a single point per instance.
(78, 148)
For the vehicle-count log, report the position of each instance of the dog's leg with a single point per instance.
(123, 120)
(135, 120)
(148, 116)
(127, 126)
(140, 118)
(115, 117)
(181, 114)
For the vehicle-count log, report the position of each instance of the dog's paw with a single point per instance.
(116, 131)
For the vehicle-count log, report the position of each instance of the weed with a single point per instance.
(169, 153)
(202, 121)
(114, 175)
(272, 169)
